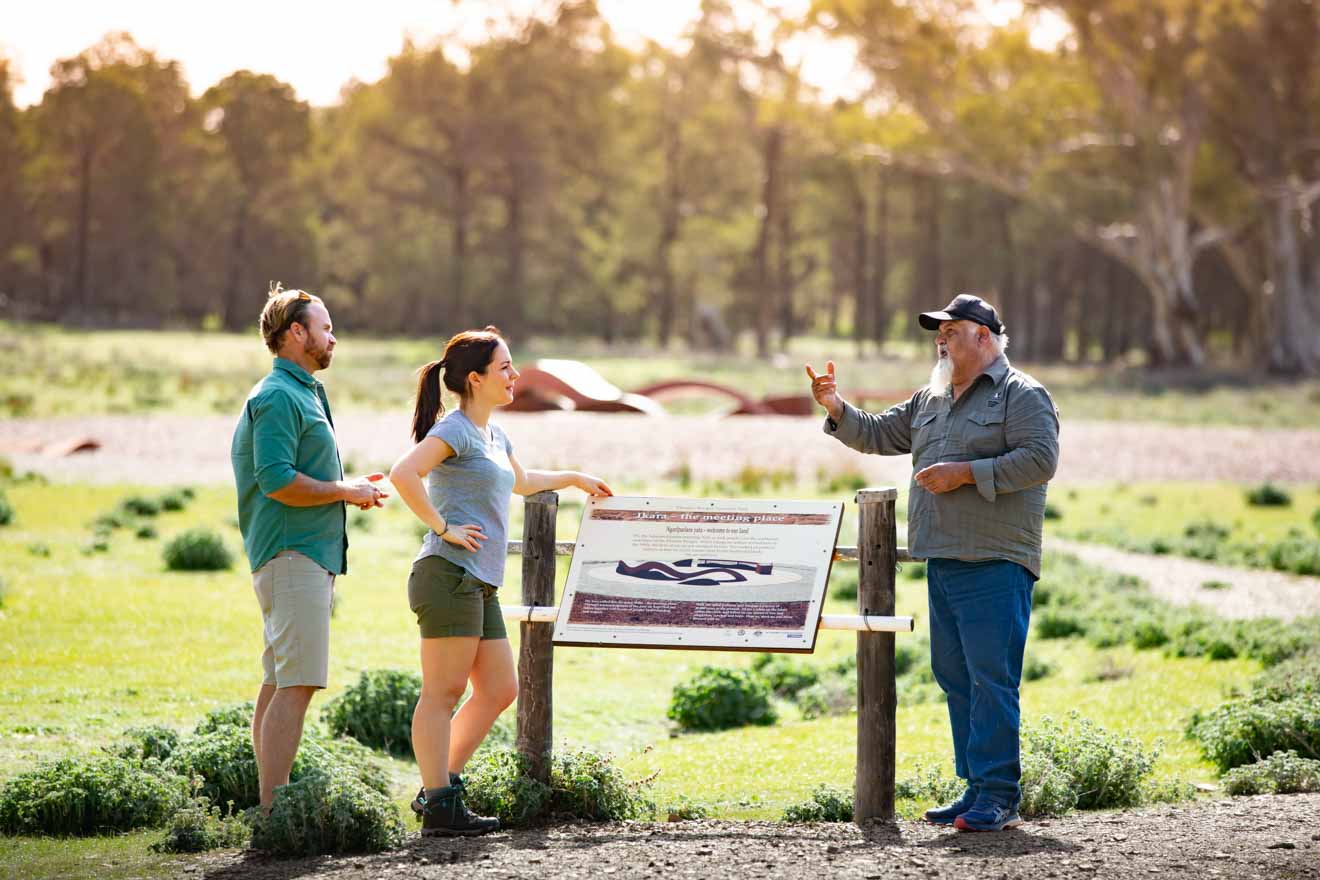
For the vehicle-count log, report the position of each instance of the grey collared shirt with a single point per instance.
(1007, 426)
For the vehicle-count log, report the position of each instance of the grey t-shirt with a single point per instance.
(472, 486)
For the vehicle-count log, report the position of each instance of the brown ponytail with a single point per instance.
(467, 352)
(429, 406)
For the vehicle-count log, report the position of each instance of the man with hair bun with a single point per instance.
(291, 497)
(984, 439)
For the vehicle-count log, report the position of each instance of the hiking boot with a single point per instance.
(419, 803)
(946, 814)
(987, 815)
(446, 815)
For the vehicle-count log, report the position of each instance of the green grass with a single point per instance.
(54, 371)
(93, 643)
(1214, 522)
(1154, 510)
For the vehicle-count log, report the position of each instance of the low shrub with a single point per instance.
(1105, 770)
(328, 812)
(226, 765)
(915, 571)
(1057, 623)
(1247, 730)
(1034, 668)
(39, 549)
(6, 509)
(4, 591)
(201, 827)
(1047, 788)
(498, 784)
(145, 743)
(146, 532)
(234, 715)
(1315, 519)
(198, 549)
(1052, 512)
(1268, 495)
(785, 677)
(586, 785)
(1280, 773)
(717, 699)
(1297, 676)
(377, 710)
(174, 501)
(139, 505)
(827, 804)
(843, 582)
(930, 785)
(684, 810)
(835, 695)
(92, 796)
(583, 785)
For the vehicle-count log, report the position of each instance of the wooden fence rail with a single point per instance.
(877, 554)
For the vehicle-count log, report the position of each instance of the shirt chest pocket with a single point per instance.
(926, 429)
(985, 432)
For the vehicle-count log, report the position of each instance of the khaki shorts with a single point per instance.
(295, 595)
(450, 602)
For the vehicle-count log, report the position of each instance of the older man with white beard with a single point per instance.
(984, 439)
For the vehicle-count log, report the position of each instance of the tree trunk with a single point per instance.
(670, 225)
(80, 270)
(928, 290)
(862, 288)
(880, 259)
(234, 267)
(1293, 348)
(458, 316)
(515, 243)
(764, 301)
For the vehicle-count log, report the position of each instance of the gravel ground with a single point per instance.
(174, 449)
(1251, 592)
(1265, 837)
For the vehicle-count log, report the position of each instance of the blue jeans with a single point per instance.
(979, 613)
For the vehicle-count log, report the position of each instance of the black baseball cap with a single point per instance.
(964, 307)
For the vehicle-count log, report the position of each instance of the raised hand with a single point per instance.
(469, 537)
(825, 390)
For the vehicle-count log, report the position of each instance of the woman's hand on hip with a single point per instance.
(469, 537)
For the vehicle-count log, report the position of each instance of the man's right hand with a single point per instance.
(363, 493)
(826, 391)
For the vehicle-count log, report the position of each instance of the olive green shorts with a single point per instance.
(450, 602)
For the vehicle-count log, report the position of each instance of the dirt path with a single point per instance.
(1265, 837)
(195, 449)
(1251, 592)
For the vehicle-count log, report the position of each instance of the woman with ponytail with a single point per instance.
(471, 471)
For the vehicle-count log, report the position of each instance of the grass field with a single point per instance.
(1166, 509)
(94, 641)
(47, 370)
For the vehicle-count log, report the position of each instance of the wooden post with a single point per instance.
(877, 697)
(536, 653)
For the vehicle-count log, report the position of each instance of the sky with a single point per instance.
(319, 46)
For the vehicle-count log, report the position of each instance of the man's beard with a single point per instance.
(321, 355)
(940, 376)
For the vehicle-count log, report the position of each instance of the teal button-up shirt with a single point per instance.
(285, 429)
(1006, 425)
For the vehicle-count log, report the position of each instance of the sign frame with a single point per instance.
(700, 516)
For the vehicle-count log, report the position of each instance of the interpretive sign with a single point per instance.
(699, 573)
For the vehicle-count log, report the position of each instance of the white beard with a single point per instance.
(940, 376)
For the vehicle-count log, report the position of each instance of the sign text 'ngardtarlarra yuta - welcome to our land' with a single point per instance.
(701, 516)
